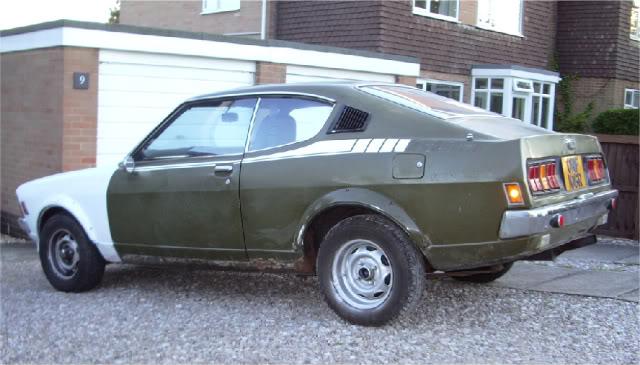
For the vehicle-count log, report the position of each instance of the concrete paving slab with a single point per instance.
(602, 253)
(593, 283)
(524, 275)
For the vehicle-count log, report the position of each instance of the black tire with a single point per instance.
(60, 235)
(400, 262)
(485, 278)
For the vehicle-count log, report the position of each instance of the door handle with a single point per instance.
(223, 168)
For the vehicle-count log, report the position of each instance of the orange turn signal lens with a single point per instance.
(513, 193)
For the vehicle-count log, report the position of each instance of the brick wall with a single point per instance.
(47, 127)
(270, 73)
(593, 40)
(348, 24)
(186, 15)
(453, 48)
(605, 93)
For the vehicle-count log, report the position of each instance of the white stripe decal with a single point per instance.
(402, 145)
(374, 146)
(315, 149)
(388, 145)
(361, 145)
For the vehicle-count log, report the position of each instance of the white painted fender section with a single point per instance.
(82, 193)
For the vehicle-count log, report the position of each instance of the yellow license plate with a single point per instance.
(573, 171)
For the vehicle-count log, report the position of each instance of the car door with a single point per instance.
(286, 167)
(181, 198)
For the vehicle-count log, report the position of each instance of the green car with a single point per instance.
(369, 186)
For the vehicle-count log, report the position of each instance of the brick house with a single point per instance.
(496, 54)
(77, 95)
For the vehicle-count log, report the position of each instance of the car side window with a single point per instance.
(285, 120)
(204, 129)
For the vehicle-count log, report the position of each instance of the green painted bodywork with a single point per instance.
(451, 207)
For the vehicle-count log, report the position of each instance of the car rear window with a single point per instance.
(424, 101)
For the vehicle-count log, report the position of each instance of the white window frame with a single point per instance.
(213, 7)
(636, 5)
(424, 83)
(542, 96)
(517, 33)
(508, 92)
(426, 12)
(517, 88)
(630, 106)
(505, 88)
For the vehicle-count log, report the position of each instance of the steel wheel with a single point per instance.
(362, 275)
(63, 253)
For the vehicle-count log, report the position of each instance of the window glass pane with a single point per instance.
(635, 20)
(446, 90)
(481, 100)
(205, 130)
(422, 4)
(280, 121)
(423, 101)
(628, 97)
(481, 83)
(535, 110)
(518, 108)
(496, 103)
(421, 86)
(497, 83)
(501, 15)
(444, 7)
(544, 113)
(536, 87)
(546, 89)
(636, 99)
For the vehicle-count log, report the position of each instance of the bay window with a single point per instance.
(518, 92)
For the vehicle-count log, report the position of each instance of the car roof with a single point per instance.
(320, 88)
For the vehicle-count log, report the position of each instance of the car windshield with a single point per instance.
(424, 101)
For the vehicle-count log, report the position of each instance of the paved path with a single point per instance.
(600, 270)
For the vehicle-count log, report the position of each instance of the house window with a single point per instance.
(501, 15)
(488, 93)
(441, 9)
(635, 20)
(219, 6)
(453, 90)
(631, 99)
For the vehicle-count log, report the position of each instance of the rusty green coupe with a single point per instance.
(369, 186)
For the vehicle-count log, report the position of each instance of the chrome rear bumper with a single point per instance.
(519, 223)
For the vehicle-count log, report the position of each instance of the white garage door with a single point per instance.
(137, 90)
(311, 74)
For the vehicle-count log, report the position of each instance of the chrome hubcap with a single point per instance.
(362, 275)
(63, 253)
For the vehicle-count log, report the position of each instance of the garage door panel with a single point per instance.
(159, 85)
(156, 59)
(309, 74)
(136, 91)
(174, 73)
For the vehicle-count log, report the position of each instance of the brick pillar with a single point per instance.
(270, 73)
(80, 110)
(406, 80)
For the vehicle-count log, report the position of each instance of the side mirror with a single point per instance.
(128, 164)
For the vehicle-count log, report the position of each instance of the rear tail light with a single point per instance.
(596, 170)
(543, 177)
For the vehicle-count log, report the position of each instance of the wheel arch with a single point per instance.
(333, 207)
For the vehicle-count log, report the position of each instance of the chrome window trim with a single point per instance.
(260, 94)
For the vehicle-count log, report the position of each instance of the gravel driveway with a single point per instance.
(182, 314)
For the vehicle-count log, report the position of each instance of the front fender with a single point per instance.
(367, 199)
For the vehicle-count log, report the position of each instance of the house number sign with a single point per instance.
(80, 80)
